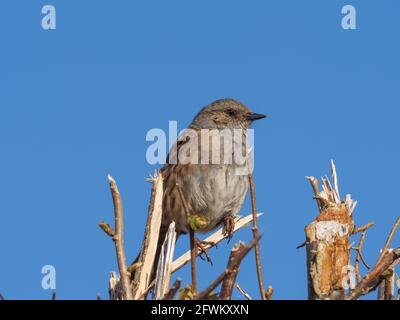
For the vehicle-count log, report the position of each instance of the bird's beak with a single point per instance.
(255, 116)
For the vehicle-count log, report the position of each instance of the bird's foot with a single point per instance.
(229, 227)
(201, 245)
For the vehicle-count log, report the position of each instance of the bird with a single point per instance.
(212, 190)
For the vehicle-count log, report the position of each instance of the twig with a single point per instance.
(193, 251)
(301, 245)
(119, 239)
(363, 228)
(389, 239)
(205, 293)
(373, 278)
(174, 289)
(359, 256)
(314, 185)
(246, 295)
(229, 281)
(256, 236)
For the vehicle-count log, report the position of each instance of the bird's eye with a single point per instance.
(231, 112)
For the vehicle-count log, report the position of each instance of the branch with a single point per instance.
(359, 256)
(118, 238)
(256, 236)
(205, 293)
(163, 272)
(209, 242)
(144, 271)
(229, 281)
(213, 240)
(373, 278)
(389, 239)
(363, 228)
(246, 295)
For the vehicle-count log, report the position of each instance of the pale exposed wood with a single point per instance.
(335, 181)
(328, 241)
(243, 292)
(114, 287)
(213, 240)
(164, 268)
(149, 245)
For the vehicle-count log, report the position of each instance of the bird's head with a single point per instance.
(225, 113)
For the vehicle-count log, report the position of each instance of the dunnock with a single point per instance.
(214, 190)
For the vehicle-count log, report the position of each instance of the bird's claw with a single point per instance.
(229, 227)
(200, 244)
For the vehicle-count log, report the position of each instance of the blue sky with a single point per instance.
(76, 104)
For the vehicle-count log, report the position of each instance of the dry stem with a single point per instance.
(256, 236)
(119, 239)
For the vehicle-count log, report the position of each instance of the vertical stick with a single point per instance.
(256, 236)
(119, 239)
(193, 253)
(193, 249)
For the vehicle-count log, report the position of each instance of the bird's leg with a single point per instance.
(200, 244)
(229, 226)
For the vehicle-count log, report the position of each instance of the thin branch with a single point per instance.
(243, 292)
(314, 185)
(389, 239)
(373, 278)
(205, 293)
(119, 239)
(256, 236)
(229, 281)
(359, 256)
(213, 240)
(363, 228)
(193, 248)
